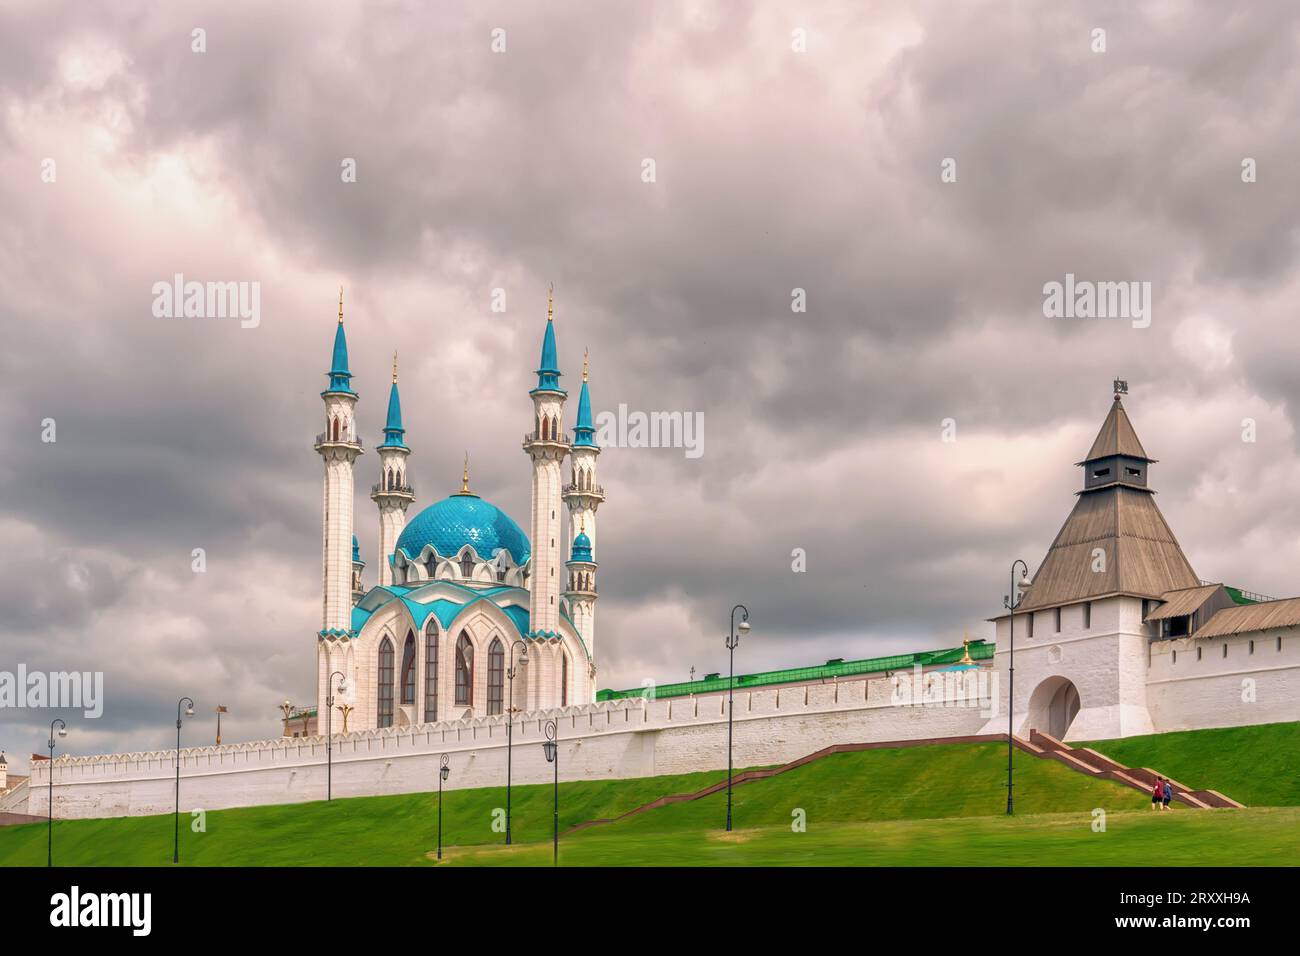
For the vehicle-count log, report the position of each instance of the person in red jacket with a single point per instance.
(1157, 793)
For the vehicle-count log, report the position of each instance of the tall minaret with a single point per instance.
(393, 493)
(339, 447)
(546, 445)
(583, 496)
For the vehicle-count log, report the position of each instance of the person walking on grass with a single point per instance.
(1157, 793)
(1166, 796)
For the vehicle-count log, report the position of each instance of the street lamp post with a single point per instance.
(444, 771)
(176, 816)
(49, 843)
(1011, 602)
(510, 722)
(329, 731)
(732, 640)
(287, 709)
(552, 750)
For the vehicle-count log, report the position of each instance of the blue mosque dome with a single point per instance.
(464, 519)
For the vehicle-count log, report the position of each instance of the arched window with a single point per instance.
(336, 429)
(496, 675)
(564, 679)
(385, 715)
(466, 565)
(431, 671)
(464, 671)
(408, 669)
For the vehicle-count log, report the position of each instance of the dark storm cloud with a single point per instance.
(775, 171)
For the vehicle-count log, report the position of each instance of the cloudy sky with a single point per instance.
(794, 146)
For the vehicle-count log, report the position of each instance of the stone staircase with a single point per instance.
(1094, 764)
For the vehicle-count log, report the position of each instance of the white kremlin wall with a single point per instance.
(625, 738)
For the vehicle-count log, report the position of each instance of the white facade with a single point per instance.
(464, 600)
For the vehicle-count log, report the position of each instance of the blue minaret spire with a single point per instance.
(393, 494)
(394, 433)
(548, 374)
(583, 430)
(340, 376)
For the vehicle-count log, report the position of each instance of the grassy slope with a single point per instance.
(377, 831)
(938, 804)
(948, 780)
(959, 780)
(1263, 837)
(1254, 765)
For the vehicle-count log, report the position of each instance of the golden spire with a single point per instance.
(550, 303)
(585, 354)
(340, 305)
(965, 648)
(394, 368)
(464, 479)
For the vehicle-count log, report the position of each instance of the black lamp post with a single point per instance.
(552, 751)
(444, 771)
(732, 640)
(1011, 602)
(176, 816)
(510, 722)
(49, 847)
(329, 730)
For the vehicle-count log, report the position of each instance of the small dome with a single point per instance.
(581, 548)
(464, 519)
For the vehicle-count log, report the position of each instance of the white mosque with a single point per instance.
(470, 616)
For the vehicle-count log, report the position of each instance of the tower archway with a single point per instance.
(1053, 706)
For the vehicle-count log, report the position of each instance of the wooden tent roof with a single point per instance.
(1116, 437)
(1141, 555)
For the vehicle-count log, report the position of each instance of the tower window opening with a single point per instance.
(1029, 619)
(1087, 615)
(496, 676)
(1252, 648)
(1225, 650)
(431, 673)
(408, 669)
(384, 716)
(464, 671)
(1134, 472)
(1057, 620)
(1198, 653)
(1100, 472)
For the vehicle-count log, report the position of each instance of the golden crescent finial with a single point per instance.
(550, 303)
(464, 480)
(394, 368)
(585, 354)
(340, 305)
